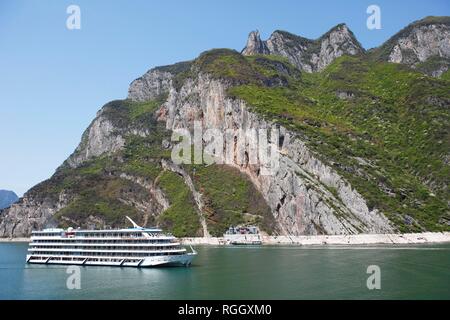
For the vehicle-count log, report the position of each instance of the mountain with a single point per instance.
(363, 146)
(306, 54)
(423, 45)
(7, 198)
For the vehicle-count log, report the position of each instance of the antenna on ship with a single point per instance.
(134, 223)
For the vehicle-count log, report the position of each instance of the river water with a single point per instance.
(259, 272)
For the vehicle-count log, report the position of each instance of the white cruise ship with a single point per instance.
(133, 247)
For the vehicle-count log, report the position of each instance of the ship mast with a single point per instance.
(134, 223)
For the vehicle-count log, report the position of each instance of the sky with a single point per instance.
(53, 80)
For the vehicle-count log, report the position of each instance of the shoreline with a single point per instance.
(6, 240)
(358, 239)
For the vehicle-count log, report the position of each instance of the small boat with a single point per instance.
(246, 242)
(132, 247)
(243, 236)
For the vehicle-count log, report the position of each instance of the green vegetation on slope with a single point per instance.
(100, 203)
(446, 75)
(181, 217)
(126, 113)
(432, 64)
(230, 198)
(231, 65)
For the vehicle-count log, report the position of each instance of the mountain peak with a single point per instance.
(423, 44)
(340, 26)
(255, 45)
(308, 55)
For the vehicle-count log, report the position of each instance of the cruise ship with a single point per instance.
(132, 247)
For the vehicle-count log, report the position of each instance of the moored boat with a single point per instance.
(243, 235)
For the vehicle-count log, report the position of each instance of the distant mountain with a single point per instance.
(363, 147)
(7, 198)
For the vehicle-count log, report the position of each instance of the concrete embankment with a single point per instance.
(359, 239)
(14, 239)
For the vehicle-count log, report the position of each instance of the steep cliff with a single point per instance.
(298, 193)
(363, 146)
(156, 81)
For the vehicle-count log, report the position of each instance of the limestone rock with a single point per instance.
(424, 45)
(150, 85)
(308, 55)
(255, 45)
(299, 190)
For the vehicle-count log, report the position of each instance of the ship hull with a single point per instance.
(132, 247)
(184, 260)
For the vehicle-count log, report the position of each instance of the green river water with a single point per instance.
(259, 272)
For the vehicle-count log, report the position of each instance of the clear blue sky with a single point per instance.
(53, 80)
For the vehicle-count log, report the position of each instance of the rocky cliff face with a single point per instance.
(423, 45)
(255, 45)
(155, 82)
(298, 192)
(106, 134)
(150, 85)
(101, 137)
(32, 212)
(308, 55)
